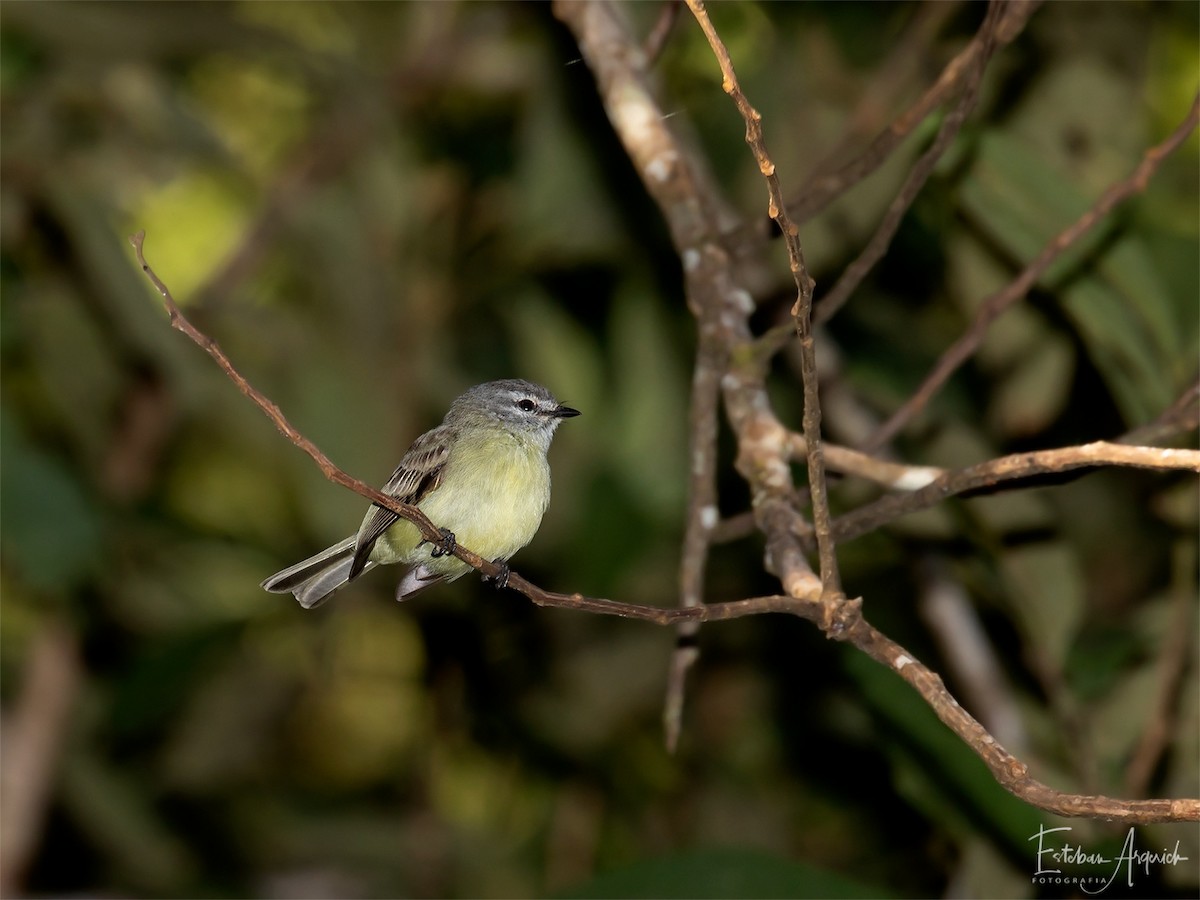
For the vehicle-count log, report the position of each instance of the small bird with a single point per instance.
(481, 476)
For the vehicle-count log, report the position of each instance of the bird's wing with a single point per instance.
(419, 473)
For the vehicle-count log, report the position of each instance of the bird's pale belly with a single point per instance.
(493, 508)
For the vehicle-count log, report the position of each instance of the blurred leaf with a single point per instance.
(599, 689)
(223, 734)
(722, 872)
(477, 791)
(258, 112)
(1022, 202)
(217, 214)
(1125, 316)
(156, 683)
(1118, 719)
(561, 354)
(555, 172)
(984, 871)
(113, 810)
(652, 436)
(1069, 132)
(1032, 396)
(128, 302)
(51, 529)
(1046, 593)
(1099, 658)
(172, 585)
(128, 33)
(365, 711)
(1179, 506)
(216, 489)
(944, 777)
(1138, 372)
(23, 620)
(78, 381)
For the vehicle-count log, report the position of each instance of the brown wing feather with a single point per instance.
(419, 473)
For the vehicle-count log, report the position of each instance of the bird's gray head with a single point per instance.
(514, 405)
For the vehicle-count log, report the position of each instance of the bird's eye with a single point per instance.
(527, 405)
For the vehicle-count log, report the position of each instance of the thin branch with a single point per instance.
(821, 189)
(180, 322)
(656, 40)
(877, 246)
(1181, 416)
(988, 474)
(686, 193)
(927, 486)
(889, 82)
(839, 618)
(970, 655)
(1007, 769)
(966, 345)
(702, 513)
(801, 311)
(847, 461)
(1172, 668)
(34, 733)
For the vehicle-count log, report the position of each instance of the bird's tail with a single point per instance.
(316, 578)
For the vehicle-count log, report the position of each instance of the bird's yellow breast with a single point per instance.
(494, 490)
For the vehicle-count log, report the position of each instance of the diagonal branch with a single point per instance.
(991, 309)
(822, 189)
(988, 474)
(841, 620)
(877, 246)
(1009, 771)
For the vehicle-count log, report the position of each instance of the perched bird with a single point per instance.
(481, 476)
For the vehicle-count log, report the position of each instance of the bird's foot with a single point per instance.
(500, 579)
(444, 547)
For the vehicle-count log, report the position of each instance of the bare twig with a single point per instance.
(1007, 769)
(34, 732)
(841, 619)
(970, 655)
(889, 82)
(180, 322)
(1181, 416)
(685, 192)
(1160, 721)
(801, 310)
(999, 302)
(821, 189)
(656, 40)
(988, 474)
(927, 486)
(875, 249)
(896, 475)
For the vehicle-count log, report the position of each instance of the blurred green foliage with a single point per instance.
(373, 206)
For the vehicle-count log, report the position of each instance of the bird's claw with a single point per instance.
(446, 546)
(500, 579)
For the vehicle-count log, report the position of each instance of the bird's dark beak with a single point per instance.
(565, 412)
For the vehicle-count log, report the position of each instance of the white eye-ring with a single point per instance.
(527, 405)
